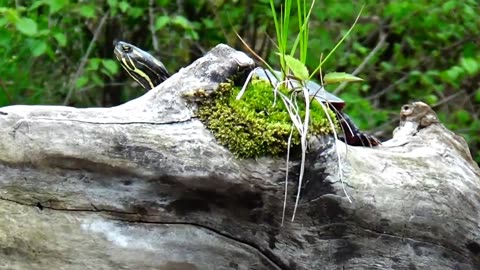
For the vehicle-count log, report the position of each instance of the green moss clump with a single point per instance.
(252, 127)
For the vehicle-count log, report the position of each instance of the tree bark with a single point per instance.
(145, 185)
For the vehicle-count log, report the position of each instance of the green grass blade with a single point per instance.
(338, 43)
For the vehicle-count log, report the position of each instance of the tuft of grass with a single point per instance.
(252, 127)
(293, 63)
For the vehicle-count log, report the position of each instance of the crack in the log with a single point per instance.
(255, 247)
(18, 202)
(411, 239)
(94, 207)
(278, 264)
(344, 182)
(384, 167)
(113, 122)
(41, 206)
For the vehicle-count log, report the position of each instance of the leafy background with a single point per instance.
(61, 52)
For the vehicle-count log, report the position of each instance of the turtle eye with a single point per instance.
(126, 48)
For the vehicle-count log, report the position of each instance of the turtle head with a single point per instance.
(140, 65)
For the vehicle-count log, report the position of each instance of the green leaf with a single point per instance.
(110, 66)
(463, 116)
(82, 81)
(182, 22)
(43, 33)
(339, 77)
(298, 68)
(10, 14)
(386, 66)
(470, 65)
(161, 22)
(112, 3)
(477, 96)
(56, 5)
(94, 64)
(96, 79)
(39, 48)
(469, 11)
(452, 74)
(415, 73)
(431, 99)
(448, 6)
(3, 22)
(87, 11)
(208, 23)
(60, 38)
(136, 12)
(36, 5)
(6, 39)
(192, 34)
(27, 26)
(469, 49)
(124, 6)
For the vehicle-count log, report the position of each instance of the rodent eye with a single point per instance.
(126, 48)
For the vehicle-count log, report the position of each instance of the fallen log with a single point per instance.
(145, 185)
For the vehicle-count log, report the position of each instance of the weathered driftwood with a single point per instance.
(145, 186)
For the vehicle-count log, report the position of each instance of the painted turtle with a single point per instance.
(150, 72)
(140, 65)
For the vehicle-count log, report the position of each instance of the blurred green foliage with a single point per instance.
(60, 52)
